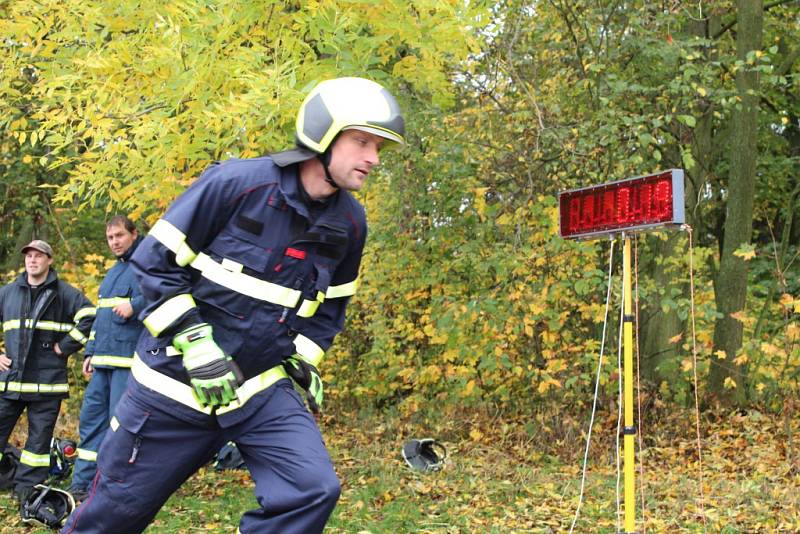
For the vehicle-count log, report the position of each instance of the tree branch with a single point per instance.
(735, 19)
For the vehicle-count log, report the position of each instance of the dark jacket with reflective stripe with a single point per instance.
(61, 314)
(248, 219)
(113, 338)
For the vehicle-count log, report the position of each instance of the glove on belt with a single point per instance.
(307, 377)
(213, 374)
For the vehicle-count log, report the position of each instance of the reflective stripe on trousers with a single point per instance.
(150, 452)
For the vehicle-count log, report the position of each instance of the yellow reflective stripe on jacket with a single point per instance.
(26, 387)
(343, 290)
(228, 274)
(34, 460)
(41, 325)
(91, 335)
(112, 302)
(112, 361)
(78, 336)
(84, 312)
(175, 240)
(184, 394)
(309, 307)
(87, 455)
(246, 284)
(51, 325)
(10, 325)
(169, 312)
(310, 351)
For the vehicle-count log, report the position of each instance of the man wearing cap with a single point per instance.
(246, 277)
(44, 321)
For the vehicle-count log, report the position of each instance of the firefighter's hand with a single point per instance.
(124, 310)
(5, 362)
(213, 374)
(307, 377)
(87, 368)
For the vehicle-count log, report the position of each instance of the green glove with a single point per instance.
(213, 374)
(307, 377)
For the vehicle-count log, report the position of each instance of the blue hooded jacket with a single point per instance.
(113, 338)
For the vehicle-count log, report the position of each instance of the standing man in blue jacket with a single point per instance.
(109, 353)
(246, 278)
(44, 321)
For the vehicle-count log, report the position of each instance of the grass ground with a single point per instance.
(499, 478)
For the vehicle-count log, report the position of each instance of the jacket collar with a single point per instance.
(128, 253)
(22, 279)
(290, 191)
(290, 188)
(293, 155)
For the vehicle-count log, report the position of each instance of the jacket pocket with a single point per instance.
(238, 253)
(48, 359)
(225, 282)
(123, 292)
(126, 330)
(329, 240)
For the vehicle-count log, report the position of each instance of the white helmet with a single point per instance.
(348, 103)
(343, 104)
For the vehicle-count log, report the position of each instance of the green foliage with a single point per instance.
(469, 296)
(465, 299)
(469, 299)
(136, 103)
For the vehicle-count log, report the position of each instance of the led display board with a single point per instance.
(634, 204)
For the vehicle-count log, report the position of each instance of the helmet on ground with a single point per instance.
(47, 506)
(344, 104)
(424, 454)
(9, 461)
(229, 457)
(62, 456)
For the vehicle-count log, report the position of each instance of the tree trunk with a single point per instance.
(658, 328)
(731, 283)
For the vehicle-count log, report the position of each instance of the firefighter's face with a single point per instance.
(352, 157)
(37, 264)
(119, 239)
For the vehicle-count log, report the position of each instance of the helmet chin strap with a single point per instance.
(325, 159)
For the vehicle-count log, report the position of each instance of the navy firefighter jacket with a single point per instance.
(113, 338)
(59, 314)
(240, 250)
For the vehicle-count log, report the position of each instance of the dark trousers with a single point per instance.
(151, 452)
(34, 463)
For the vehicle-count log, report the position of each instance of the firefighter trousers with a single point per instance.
(150, 452)
(99, 400)
(34, 463)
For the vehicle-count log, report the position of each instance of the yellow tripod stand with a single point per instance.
(627, 384)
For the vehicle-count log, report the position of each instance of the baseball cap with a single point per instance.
(41, 246)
